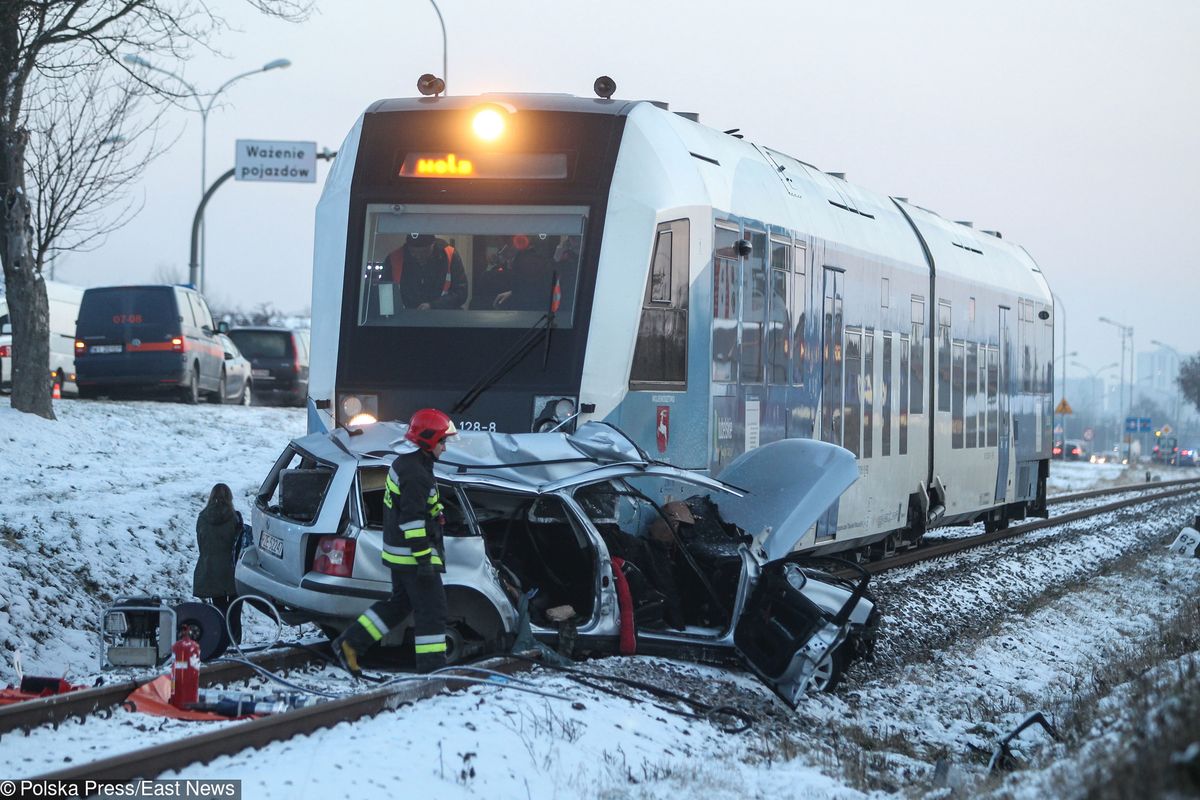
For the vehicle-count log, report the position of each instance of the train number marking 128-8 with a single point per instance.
(490, 427)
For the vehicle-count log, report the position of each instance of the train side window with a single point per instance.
(799, 252)
(779, 327)
(904, 351)
(851, 410)
(943, 355)
(832, 363)
(725, 306)
(916, 404)
(972, 390)
(981, 395)
(754, 307)
(886, 443)
(885, 292)
(660, 355)
(956, 430)
(868, 391)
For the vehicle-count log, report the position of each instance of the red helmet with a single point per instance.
(428, 427)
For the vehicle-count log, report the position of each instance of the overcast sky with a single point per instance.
(1070, 126)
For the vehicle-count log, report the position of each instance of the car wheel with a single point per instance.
(828, 673)
(190, 392)
(247, 394)
(218, 396)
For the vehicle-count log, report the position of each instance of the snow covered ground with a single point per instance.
(1080, 476)
(102, 503)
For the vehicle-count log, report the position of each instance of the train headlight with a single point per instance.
(358, 409)
(551, 411)
(488, 124)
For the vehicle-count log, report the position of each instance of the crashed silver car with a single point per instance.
(563, 524)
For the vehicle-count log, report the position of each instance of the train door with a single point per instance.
(1005, 391)
(752, 320)
(778, 341)
(726, 440)
(833, 375)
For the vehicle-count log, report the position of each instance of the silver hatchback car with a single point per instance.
(565, 523)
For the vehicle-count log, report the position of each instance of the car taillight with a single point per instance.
(178, 344)
(335, 556)
(80, 345)
(296, 358)
(5, 351)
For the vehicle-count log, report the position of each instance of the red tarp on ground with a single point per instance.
(34, 688)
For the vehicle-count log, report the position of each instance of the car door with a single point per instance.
(210, 354)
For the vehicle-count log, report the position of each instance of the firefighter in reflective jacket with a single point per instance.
(412, 548)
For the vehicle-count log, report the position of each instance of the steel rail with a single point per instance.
(930, 552)
(82, 703)
(1059, 499)
(153, 761)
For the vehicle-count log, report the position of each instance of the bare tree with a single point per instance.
(49, 51)
(88, 143)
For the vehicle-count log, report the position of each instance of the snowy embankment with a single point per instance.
(1080, 476)
(102, 503)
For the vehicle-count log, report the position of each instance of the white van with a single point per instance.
(64, 308)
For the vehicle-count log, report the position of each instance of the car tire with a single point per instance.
(247, 398)
(190, 392)
(218, 397)
(829, 671)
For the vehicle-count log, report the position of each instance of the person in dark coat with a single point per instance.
(218, 528)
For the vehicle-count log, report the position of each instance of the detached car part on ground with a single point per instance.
(541, 515)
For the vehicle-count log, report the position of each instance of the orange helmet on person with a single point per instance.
(428, 428)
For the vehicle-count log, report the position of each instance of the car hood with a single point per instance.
(789, 484)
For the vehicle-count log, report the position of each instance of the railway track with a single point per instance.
(1176, 488)
(230, 739)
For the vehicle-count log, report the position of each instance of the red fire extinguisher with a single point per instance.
(185, 674)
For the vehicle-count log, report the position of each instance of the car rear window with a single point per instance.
(128, 306)
(263, 344)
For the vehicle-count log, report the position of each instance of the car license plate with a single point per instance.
(261, 373)
(107, 348)
(271, 544)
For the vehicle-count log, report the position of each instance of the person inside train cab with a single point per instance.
(429, 272)
(541, 273)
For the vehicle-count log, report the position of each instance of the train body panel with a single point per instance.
(724, 296)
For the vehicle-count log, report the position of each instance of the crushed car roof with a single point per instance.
(525, 459)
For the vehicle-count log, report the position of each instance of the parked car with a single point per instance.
(545, 512)
(148, 339)
(63, 300)
(279, 359)
(1075, 450)
(239, 386)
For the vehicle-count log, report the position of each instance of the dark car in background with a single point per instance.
(148, 339)
(239, 385)
(279, 362)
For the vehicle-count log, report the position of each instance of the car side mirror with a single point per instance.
(223, 327)
(229, 356)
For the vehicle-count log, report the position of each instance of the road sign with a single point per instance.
(290, 162)
(1166, 430)
(1131, 424)
(1063, 407)
(1088, 434)
(1144, 425)
(1058, 429)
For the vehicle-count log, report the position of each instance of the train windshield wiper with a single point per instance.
(515, 354)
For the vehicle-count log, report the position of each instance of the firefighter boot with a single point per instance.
(345, 654)
(430, 662)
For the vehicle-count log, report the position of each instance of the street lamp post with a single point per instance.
(442, 22)
(280, 63)
(1126, 333)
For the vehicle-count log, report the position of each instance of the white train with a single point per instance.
(531, 261)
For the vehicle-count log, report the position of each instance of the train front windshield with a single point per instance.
(493, 267)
